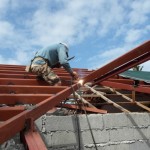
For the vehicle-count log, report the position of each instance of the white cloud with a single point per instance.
(6, 29)
(44, 22)
(112, 16)
(48, 27)
(105, 57)
(75, 21)
(3, 7)
(7, 60)
(139, 13)
(109, 55)
(133, 35)
(146, 66)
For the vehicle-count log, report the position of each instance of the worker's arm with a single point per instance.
(64, 61)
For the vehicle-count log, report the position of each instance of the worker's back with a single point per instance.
(50, 53)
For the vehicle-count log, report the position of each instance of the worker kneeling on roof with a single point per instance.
(53, 56)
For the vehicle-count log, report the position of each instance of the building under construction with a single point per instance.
(108, 109)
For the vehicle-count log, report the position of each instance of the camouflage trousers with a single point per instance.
(46, 72)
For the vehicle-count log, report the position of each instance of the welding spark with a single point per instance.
(80, 81)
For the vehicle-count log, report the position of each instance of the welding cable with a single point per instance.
(88, 120)
(77, 121)
(76, 116)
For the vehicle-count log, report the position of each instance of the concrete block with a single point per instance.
(124, 134)
(148, 132)
(92, 147)
(64, 148)
(60, 138)
(60, 123)
(138, 119)
(117, 120)
(38, 123)
(95, 121)
(119, 146)
(110, 147)
(140, 133)
(138, 145)
(111, 131)
(99, 136)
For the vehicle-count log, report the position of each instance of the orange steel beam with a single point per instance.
(8, 112)
(140, 88)
(134, 57)
(89, 109)
(8, 75)
(126, 81)
(12, 81)
(13, 71)
(17, 123)
(32, 140)
(12, 99)
(25, 89)
(125, 67)
(16, 81)
(62, 76)
(18, 74)
(29, 76)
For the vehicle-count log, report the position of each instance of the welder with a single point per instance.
(53, 56)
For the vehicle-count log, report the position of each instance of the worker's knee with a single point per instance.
(52, 78)
(56, 82)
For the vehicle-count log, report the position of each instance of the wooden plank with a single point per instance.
(131, 100)
(107, 99)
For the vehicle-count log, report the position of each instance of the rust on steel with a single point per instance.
(134, 57)
(18, 87)
(140, 88)
(32, 140)
(15, 124)
(26, 89)
(8, 112)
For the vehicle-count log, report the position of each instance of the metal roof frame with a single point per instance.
(23, 98)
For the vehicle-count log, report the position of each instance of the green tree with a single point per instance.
(137, 68)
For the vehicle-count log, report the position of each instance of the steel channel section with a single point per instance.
(16, 99)
(25, 89)
(8, 112)
(125, 67)
(12, 81)
(135, 53)
(17, 123)
(140, 88)
(126, 81)
(32, 140)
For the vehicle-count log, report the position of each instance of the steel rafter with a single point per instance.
(24, 99)
(132, 58)
(17, 123)
(140, 88)
(18, 90)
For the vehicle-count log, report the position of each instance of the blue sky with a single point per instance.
(97, 31)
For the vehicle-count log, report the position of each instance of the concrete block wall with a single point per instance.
(109, 131)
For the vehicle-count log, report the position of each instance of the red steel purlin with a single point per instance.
(18, 88)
